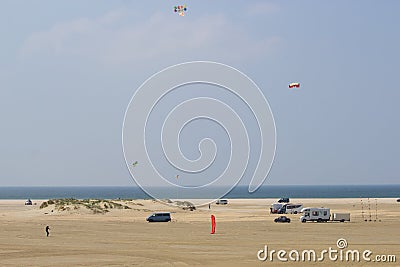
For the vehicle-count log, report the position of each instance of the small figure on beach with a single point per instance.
(47, 230)
(209, 206)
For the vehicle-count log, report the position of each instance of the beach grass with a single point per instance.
(98, 206)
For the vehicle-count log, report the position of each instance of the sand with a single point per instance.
(122, 237)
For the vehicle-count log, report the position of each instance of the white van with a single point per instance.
(293, 208)
(222, 202)
(315, 214)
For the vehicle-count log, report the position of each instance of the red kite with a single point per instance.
(297, 85)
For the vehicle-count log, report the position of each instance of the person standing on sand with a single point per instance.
(47, 230)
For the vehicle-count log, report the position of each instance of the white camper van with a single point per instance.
(293, 208)
(315, 214)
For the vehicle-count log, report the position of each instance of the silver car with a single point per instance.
(222, 202)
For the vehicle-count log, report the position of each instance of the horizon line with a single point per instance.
(388, 184)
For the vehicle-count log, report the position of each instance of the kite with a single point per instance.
(134, 164)
(296, 85)
(180, 10)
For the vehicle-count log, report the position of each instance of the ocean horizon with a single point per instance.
(266, 191)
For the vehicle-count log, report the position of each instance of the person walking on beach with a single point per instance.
(47, 230)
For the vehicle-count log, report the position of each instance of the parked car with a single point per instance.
(222, 202)
(159, 217)
(283, 200)
(282, 219)
(28, 202)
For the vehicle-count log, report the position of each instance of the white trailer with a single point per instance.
(315, 214)
(341, 217)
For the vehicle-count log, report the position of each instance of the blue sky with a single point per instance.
(69, 68)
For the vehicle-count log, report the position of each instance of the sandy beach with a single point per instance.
(122, 237)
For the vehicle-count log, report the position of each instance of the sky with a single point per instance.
(68, 70)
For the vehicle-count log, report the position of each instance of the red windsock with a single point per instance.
(213, 224)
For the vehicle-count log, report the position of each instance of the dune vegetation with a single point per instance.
(95, 205)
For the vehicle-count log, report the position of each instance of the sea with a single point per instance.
(266, 191)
